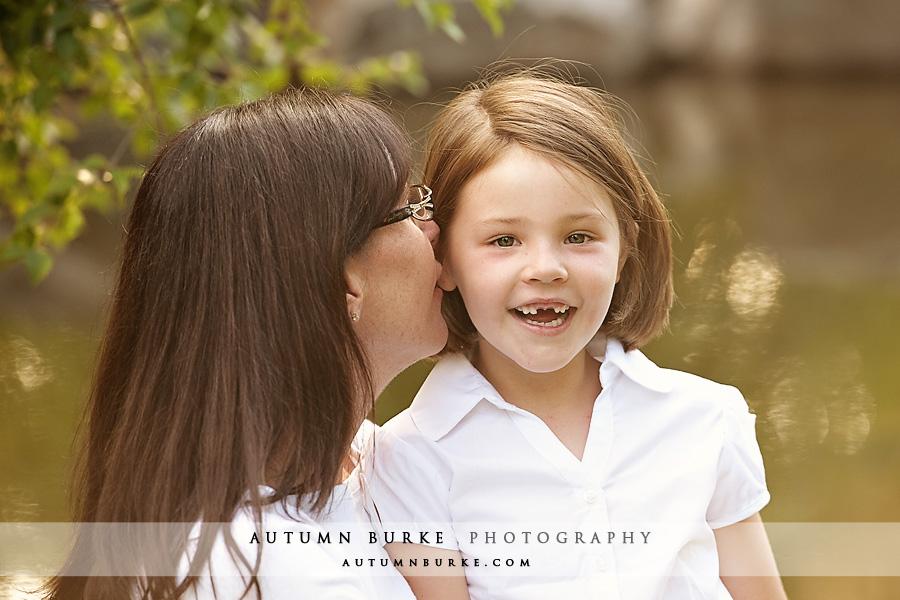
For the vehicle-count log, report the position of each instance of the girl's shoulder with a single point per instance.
(645, 379)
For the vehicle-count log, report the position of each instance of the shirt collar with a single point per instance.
(455, 387)
(452, 389)
(633, 364)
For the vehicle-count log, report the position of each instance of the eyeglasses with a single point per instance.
(418, 206)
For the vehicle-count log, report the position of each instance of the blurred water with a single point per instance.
(785, 197)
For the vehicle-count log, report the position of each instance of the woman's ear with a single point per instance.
(355, 282)
(629, 244)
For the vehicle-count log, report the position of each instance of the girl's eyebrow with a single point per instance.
(514, 221)
(505, 221)
(587, 216)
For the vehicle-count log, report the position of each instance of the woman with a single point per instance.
(274, 279)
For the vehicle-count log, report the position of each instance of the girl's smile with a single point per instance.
(534, 248)
(548, 315)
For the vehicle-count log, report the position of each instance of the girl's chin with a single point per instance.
(542, 367)
(540, 356)
(543, 363)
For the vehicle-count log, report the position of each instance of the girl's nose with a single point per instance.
(544, 265)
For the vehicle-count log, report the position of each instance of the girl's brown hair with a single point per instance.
(578, 127)
(229, 360)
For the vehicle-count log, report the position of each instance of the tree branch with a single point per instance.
(146, 82)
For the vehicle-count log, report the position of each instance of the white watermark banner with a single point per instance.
(519, 550)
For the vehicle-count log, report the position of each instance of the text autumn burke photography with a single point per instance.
(428, 538)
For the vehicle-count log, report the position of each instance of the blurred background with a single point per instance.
(771, 129)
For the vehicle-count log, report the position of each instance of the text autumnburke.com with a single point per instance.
(436, 563)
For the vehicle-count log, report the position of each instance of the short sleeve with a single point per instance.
(740, 488)
(410, 492)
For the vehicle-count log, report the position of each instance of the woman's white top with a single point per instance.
(333, 555)
(669, 458)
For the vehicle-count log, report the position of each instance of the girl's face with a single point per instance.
(534, 248)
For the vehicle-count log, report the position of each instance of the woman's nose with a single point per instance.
(431, 229)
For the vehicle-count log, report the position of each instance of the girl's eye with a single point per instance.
(577, 238)
(505, 241)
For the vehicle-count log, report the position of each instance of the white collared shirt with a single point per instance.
(669, 457)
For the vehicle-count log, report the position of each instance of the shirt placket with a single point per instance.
(594, 563)
(598, 560)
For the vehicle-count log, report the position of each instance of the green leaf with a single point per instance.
(94, 162)
(217, 20)
(323, 73)
(8, 151)
(441, 15)
(11, 252)
(62, 72)
(122, 179)
(65, 44)
(63, 16)
(42, 97)
(96, 197)
(178, 16)
(37, 262)
(82, 58)
(198, 38)
(139, 8)
(35, 214)
(490, 12)
(442, 12)
(145, 141)
(68, 224)
(426, 12)
(43, 64)
(453, 31)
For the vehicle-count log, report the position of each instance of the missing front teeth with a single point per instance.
(533, 310)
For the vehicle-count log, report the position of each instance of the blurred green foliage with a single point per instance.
(152, 65)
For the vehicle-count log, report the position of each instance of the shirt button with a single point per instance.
(603, 563)
(590, 496)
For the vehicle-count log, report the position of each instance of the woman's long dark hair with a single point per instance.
(229, 360)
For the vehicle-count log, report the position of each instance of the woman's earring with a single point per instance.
(354, 317)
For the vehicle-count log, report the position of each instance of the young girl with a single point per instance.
(545, 453)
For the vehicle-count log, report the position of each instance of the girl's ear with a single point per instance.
(446, 281)
(353, 277)
(629, 244)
